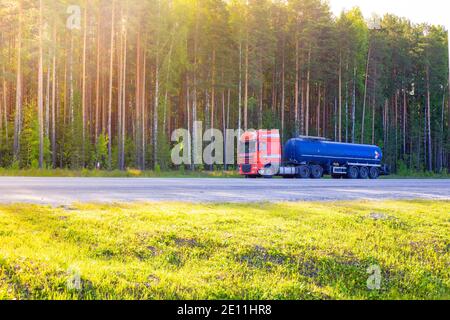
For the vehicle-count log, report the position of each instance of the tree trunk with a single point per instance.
(71, 89)
(354, 106)
(188, 118)
(346, 104)
(246, 84)
(83, 89)
(1, 119)
(283, 92)
(428, 119)
(404, 122)
(324, 112)
(318, 111)
(346, 112)
(65, 103)
(143, 110)
(167, 85)
(335, 119)
(441, 153)
(194, 98)
(240, 88)
(340, 99)
(123, 104)
(5, 106)
(425, 136)
(228, 108)
(448, 97)
(47, 102)
(207, 110)
(213, 88)
(111, 74)
(297, 84)
(138, 99)
(120, 92)
(54, 100)
(156, 101)
(97, 82)
(374, 94)
(365, 97)
(397, 94)
(274, 88)
(224, 128)
(373, 118)
(308, 89)
(18, 113)
(261, 91)
(41, 92)
(385, 122)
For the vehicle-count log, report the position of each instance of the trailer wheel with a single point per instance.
(374, 173)
(353, 173)
(363, 173)
(304, 172)
(316, 172)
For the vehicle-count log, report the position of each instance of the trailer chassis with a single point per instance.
(350, 170)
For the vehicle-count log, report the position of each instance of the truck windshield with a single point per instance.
(263, 147)
(248, 147)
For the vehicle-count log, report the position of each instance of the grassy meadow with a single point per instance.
(182, 173)
(129, 173)
(225, 251)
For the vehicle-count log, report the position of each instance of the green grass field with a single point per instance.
(225, 251)
(129, 173)
(134, 173)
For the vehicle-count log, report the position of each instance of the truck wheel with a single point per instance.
(304, 172)
(316, 172)
(363, 173)
(374, 173)
(353, 173)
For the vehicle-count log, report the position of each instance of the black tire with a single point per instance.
(353, 172)
(374, 173)
(364, 173)
(316, 172)
(304, 172)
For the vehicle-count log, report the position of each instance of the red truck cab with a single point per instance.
(259, 153)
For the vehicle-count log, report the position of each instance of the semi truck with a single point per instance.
(260, 155)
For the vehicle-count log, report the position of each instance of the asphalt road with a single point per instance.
(64, 191)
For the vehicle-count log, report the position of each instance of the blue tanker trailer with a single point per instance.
(310, 157)
(314, 157)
